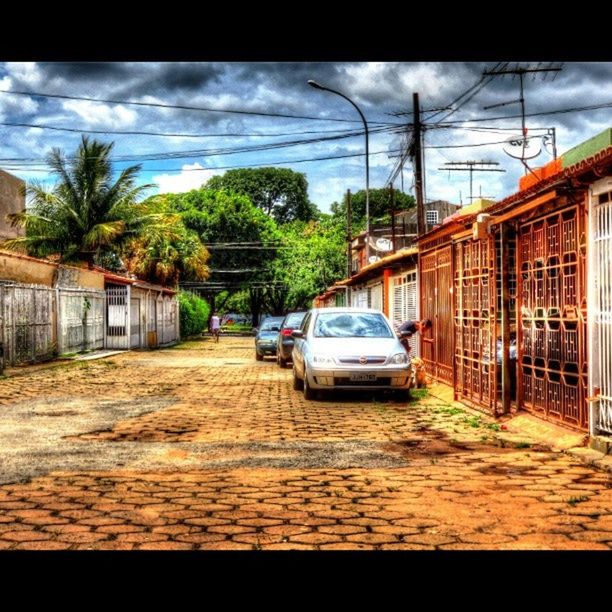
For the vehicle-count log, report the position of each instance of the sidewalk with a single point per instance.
(525, 427)
(59, 361)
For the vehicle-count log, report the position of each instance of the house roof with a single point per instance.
(379, 265)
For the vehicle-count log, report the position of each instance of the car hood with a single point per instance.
(336, 347)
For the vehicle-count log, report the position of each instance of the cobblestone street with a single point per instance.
(202, 447)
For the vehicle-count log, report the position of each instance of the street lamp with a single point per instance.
(367, 152)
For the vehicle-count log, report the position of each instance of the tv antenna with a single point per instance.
(521, 72)
(471, 167)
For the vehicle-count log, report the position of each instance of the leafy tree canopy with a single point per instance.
(315, 259)
(380, 206)
(166, 251)
(227, 218)
(280, 192)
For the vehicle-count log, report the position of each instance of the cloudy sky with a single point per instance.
(277, 119)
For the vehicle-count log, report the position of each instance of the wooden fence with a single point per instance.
(37, 323)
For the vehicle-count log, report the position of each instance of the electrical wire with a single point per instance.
(207, 109)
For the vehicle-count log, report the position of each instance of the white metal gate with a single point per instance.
(26, 323)
(81, 320)
(600, 307)
(117, 317)
(375, 296)
(134, 323)
(404, 307)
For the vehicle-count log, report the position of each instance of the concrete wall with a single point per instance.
(12, 200)
(79, 277)
(26, 269)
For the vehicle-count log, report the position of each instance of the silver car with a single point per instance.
(348, 348)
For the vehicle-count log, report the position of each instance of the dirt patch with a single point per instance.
(432, 443)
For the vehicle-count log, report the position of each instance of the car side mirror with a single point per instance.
(297, 333)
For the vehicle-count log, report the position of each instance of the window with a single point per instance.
(431, 217)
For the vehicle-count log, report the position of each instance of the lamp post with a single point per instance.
(367, 153)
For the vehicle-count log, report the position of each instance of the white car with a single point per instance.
(348, 348)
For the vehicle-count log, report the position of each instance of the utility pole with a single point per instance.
(552, 134)
(349, 237)
(392, 194)
(471, 166)
(418, 164)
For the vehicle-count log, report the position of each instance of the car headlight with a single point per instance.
(399, 358)
(322, 359)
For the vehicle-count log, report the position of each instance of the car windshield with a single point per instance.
(294, 320)
(270, 325)
(351, 325)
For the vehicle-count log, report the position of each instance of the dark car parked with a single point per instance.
(266, 337)
(285, 340)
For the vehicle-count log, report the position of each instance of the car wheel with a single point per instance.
(298, 384)
(282, 362)
(258, 356)
(309, 393)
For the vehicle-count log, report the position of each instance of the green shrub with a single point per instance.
(193, 314)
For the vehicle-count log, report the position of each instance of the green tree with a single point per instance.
(380, 206)
(166, 251)
(226, 221)
(314, 257)
(281, 193)
(85, 213)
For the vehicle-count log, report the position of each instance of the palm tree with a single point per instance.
(85, 212)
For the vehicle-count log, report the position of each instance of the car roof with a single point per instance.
(346, 309)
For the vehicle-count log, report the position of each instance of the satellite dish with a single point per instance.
(521, 147)
(373, 259)
(383, 244)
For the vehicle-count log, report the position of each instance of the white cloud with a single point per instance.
(97, 114)
(189, 178)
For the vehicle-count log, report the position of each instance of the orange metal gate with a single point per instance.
(475, 323)
(552, 306)
(436, 304)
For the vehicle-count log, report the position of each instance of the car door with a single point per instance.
(298, 346)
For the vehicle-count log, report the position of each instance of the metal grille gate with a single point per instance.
(117, 317)
(552, 330)
(475, 323)
(601, 335)
(436, 304)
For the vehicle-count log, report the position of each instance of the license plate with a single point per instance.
(362, 377)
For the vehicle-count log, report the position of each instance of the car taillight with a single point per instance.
(286, 332)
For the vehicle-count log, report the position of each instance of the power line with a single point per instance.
(211, 152)
(166, 134)
(179, 106)
(265, 164)
(573, 109)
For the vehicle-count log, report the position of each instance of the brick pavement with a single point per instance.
(202, 447)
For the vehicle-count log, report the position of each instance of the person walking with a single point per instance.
(215, 326)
